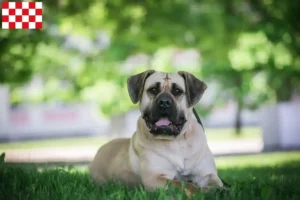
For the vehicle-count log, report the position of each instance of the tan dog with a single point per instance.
(168, 145)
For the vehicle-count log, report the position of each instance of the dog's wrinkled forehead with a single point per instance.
(165, 79)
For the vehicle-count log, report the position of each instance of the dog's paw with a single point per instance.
(188, 192)
(191, 189)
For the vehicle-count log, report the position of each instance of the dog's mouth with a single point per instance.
(164, 126)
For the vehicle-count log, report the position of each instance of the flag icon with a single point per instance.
(22, 15)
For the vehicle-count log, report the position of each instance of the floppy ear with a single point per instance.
(194, 87)
(135, 85)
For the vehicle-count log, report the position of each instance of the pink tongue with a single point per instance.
(163, 122)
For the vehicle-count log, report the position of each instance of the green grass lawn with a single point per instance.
(212, 134)
(265, 176)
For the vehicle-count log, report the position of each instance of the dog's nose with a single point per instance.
(165, 102)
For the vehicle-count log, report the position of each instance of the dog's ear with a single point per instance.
(135, 85)
(194, 87)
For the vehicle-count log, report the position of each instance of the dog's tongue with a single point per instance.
(163, 122)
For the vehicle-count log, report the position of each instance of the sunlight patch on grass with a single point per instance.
(229, 133)
(213, 134)
(265, 159)
(56, 142)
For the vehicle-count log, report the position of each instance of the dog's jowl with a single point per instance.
(168, 145)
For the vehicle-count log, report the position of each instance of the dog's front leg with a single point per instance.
(160, 181)
(158, 176)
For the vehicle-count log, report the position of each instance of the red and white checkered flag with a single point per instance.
(22, 15)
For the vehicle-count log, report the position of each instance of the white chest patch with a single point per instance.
(180, 155)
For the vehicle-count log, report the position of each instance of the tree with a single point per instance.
(279, 21)
(17, 49)
(211, 27)
(215, 28)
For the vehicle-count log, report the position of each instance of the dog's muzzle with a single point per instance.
(164, 118)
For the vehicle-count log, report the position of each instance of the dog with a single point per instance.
(169, 145)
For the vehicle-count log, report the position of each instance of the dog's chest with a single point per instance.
(182, 156)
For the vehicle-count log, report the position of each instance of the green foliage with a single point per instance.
(278, 21)
(17, 49)
(251, 48)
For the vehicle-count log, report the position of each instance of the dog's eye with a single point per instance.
(153, 91)
(177, 92)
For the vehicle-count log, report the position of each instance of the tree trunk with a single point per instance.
(285, 91)
(238, 117)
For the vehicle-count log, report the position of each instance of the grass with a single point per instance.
(212, 134)
(265, 176)
(55, 142)
(228, 133)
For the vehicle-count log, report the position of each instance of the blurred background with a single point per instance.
(63, 88)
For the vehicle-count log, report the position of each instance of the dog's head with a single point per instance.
(166, 100)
